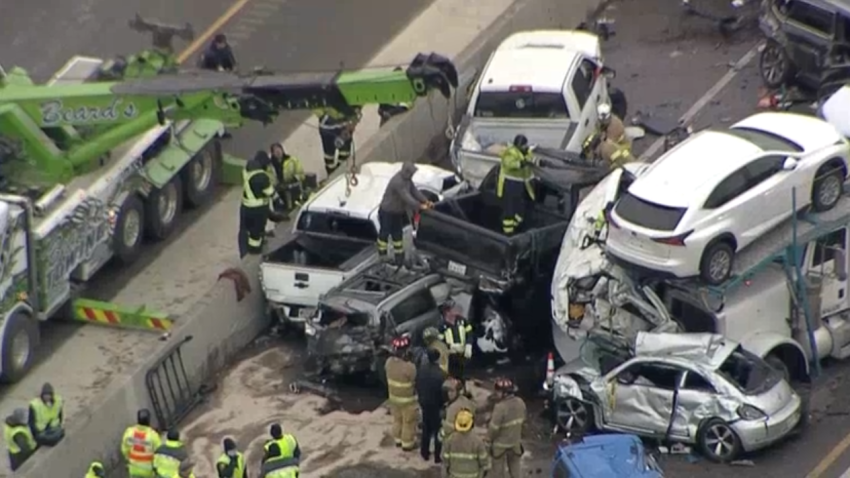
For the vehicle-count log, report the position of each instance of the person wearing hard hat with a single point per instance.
(505, 430)
(613, 146)
(464, 454)
(456, 400)
(401, 386)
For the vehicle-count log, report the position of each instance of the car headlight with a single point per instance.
(750, 413)
(566, 386)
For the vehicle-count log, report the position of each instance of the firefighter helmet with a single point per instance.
(401, 343)
(464, 420)
(505, 385)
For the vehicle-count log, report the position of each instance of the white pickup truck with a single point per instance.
(544, 84)
(334, 236)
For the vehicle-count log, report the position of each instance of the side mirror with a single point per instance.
(790, 164)
(608, 72)
(840, 264)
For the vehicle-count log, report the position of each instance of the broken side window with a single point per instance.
(811, 16)
(696, 382)
(748, 372)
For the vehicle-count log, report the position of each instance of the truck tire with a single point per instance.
(20, 342)
(129, 230)
(201, 174)
(162, 209)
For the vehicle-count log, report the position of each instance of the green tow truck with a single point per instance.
(108, 153)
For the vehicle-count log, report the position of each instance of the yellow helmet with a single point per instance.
(463, 421)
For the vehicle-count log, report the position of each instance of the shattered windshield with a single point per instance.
(748, 372)
(337, 317)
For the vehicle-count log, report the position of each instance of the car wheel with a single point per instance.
(827, 189)
(775, 67)
(716, 264)
(718, 442)
(574, 416)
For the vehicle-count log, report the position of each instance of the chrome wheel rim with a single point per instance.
(573, 415)
(829, 191)
(201, 171)
(21, 350)
(720, 440)
(132, 228)
(773, 65)
(719, 266)
(167, 204)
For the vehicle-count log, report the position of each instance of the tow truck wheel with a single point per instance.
(20, 341)
(200, 175)
(162, 209)
(129, 230)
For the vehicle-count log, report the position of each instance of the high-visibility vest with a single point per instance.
(514, 167)
(139, 444)
(167, 459)
(248, 197)
(462, 327)
(91, 473)
(400, 381)
(47, 417)
(287, 444)
(279, 467)
(239, 470)
(9, 434)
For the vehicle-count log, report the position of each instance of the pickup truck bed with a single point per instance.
(464, 238)
(308, 265)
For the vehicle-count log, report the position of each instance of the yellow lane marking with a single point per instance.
(212, 30)
(828, 460)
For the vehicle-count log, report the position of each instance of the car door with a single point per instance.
(413, 312)
(768, 198)
(640, 397)
(810, 29)
(694, 394)
(729, 203)
(584, 88)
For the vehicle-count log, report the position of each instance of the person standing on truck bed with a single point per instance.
(139, 444)
(288, 174)
(457, 334)
(46, 417)
(400, 198)
(401, 382)
(257, 194)
(336, 130)
(231, 463)
(18, 437)
(505, 430)
(514, 182)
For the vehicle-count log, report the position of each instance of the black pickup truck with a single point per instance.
(462, 236)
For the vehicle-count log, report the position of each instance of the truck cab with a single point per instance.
(544, 84)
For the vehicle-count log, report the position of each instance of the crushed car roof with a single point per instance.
(708, 350)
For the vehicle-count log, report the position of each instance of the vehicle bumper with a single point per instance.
(469, 274)
(678, 263)
(291, 315)
(758, 434)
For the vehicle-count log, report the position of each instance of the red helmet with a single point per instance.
(401, 343)
(505, 385)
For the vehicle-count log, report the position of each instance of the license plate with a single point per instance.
(457, 268)
(306, 313)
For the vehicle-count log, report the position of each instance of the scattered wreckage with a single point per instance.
(700, 389)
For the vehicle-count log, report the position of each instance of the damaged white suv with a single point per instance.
(699, 389)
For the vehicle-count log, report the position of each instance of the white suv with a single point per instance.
(720, 190)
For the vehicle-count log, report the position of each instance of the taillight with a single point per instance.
(673, 241)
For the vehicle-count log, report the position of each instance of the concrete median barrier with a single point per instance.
(221, 326)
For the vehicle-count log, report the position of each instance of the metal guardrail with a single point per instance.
(172, 393)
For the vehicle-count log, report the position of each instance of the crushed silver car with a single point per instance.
(699, 389)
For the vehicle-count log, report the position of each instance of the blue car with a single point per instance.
(605, 456)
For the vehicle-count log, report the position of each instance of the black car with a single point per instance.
(804, 37)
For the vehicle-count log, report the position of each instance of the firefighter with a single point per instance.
(231, 463)
(286, 443)
(257, 194)
(615, 155)
(336, 131)
(514, 183)
(464, 454)
(278, 466)
(288, 174)
(139, 444)
(400, 198)
(18, 437)
(457, 334)
(611, 127)
(504, 431)
(46, 417)
(218, 56)
(429, 389)
(431, 339)
(401, 379)
(169, 456)
(96, 470)
(457, 400)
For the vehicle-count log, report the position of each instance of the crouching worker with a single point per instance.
(46, 417)
(278, 466)
(18, 437)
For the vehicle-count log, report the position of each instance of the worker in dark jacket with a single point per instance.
(429, 389)
(336, 130)
(400, 198)
(218, 56)
(18, 439)
(257, 194)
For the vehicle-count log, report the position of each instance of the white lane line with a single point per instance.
(705, 100)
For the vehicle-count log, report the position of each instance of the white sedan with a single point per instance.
(720, 190)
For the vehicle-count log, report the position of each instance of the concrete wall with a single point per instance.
(222, 326)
